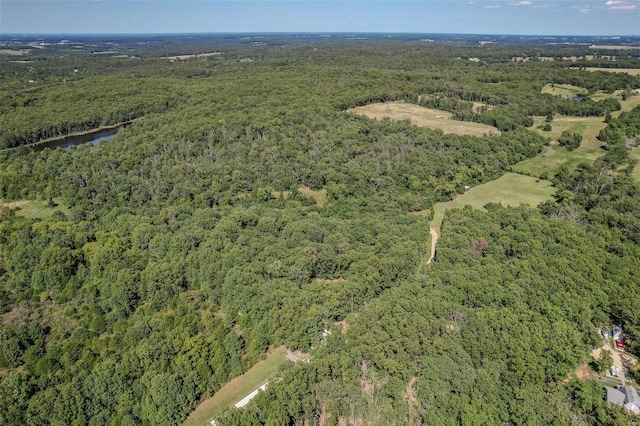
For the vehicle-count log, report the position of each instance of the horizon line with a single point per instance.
(314, 33)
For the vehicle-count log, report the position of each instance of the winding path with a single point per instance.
(434, 241)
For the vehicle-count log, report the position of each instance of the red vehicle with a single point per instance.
(619, 344)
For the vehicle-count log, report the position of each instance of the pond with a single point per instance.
(68, 142)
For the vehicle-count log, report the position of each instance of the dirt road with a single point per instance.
(434, 241)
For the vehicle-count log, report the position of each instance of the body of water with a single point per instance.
(68, 142)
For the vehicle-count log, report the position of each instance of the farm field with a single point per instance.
(512, 189)
(237, 389)
(424, 117)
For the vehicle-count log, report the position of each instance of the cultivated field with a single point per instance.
(424, 117)
(237, 389)
(512, 189)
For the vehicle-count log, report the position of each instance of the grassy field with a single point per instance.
(512, 189)
(553, 158)
(565, 90)
(320, 196)
(589, 127)
(36, 209)
(631, 71)
(237, 389)
(424, 117)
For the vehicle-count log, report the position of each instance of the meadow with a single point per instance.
(424, 117)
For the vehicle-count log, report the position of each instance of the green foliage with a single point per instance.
(190, 244)
(570, 140)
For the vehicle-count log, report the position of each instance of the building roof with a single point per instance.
(614, 396)
(632, 401)
(624, 396)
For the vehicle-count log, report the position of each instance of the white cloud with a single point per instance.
(621, 5)
(522, 3)
(494, 6)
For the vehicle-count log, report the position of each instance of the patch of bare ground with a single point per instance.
(283, 194)
(237, 330)
(297, 356)
(18, 315)
(410, 394)
(5, 373)
(342, 326)
(322, 421)
(319, 196)
(477, 106)
(15, 204)
(583, 372)
(423, 117)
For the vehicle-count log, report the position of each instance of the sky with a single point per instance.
(530, 17)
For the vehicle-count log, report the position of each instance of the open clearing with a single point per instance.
(424, 117)
(631, 71)
(588, 127)
(185, 57)
(512, 189)
(11, 52)
(36, 209)
(565, 90)
(553, 158)
(319, 196)
(237, 389)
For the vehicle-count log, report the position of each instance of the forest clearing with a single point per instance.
(237, 388)
(512, 189)
(36, 209)
(630, 71)
(425, 117)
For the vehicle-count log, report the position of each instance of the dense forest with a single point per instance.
(246, 208)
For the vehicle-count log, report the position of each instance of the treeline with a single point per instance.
(79, 106)
(623, 130)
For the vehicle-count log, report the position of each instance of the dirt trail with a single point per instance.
(434, 241)
(617, 360)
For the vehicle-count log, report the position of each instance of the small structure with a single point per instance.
(618, 337)
(624, 396)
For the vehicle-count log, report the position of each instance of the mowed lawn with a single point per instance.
(423, 117)
(237, 389)
(512, 189)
